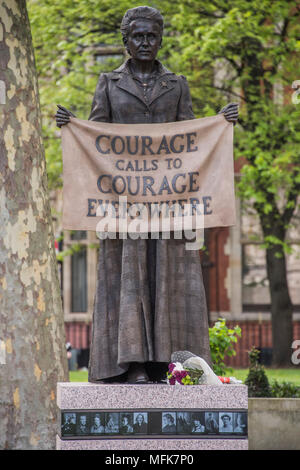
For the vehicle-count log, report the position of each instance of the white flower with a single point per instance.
(178, 367)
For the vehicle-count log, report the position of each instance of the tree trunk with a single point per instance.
(281, 305)
(281, 309)
(32, 341)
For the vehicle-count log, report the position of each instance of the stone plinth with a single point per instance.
(274, 423)
(158, 417)
(153, 444)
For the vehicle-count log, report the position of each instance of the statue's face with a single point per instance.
(143, 40)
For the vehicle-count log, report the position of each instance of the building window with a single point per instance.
(79, 280)
(78, 235)
(79, 275)
(255, 283)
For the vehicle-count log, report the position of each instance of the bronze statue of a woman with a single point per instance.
(150, 298)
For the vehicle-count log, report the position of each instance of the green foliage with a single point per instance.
(236, 50)
(258, 383)
(253, 49)
(193, 377)
(222, 340)
(66, 35)
(284, 390)
(257, 380)
(74, 248)
(239, 50)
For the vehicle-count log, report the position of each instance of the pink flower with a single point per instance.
(172, 381)
(179, 375)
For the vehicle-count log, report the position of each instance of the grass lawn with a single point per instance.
(78, 376)
(282, 375)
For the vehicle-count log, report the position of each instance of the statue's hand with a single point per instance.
(231, 112)
(62, 116)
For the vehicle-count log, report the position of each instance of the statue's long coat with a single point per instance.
(150, 298)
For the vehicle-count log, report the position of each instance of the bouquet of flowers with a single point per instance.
(177, 374)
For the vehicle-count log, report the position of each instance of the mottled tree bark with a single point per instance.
(32, 342)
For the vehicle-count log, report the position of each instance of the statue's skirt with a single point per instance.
(150, 301)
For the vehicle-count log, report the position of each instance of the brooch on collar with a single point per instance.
(164, 84)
